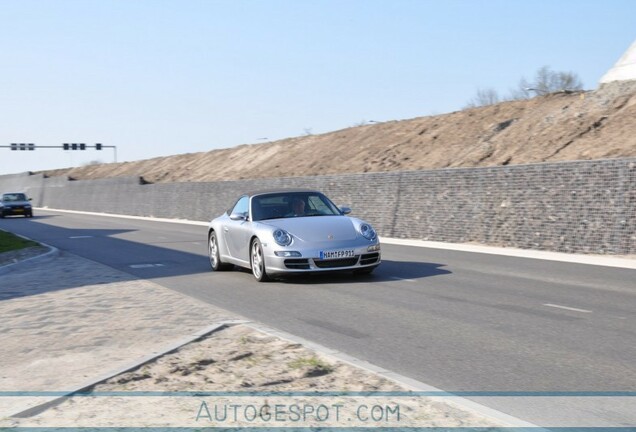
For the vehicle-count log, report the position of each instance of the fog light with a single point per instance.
(287, 254)
(373, 248)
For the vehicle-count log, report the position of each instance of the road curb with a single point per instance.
(54, 401)
(46, 256)
(123, 216)
(597, 260)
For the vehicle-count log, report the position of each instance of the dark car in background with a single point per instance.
(15, 204)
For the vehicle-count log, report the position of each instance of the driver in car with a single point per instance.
(297, 207)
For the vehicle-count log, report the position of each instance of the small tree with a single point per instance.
(484, 97)
(547, 81)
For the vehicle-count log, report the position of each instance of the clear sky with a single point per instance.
(161, 77)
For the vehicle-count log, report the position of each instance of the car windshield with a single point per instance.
(14, 197)
(295, 204)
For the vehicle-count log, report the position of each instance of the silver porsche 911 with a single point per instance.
(291, 231)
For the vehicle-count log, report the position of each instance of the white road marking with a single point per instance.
(138, 266)
(567, 308)
(402, 279)
(80, 237)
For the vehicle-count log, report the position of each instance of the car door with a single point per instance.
(236, 232)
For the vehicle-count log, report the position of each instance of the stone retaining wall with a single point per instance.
(582, 207)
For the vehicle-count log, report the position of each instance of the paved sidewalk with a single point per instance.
(68, 321)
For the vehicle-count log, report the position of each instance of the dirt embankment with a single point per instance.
(577, 126)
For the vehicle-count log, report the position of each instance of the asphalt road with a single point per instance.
(458, 321)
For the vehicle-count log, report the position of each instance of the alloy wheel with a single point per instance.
(258, 261)
(213, 252)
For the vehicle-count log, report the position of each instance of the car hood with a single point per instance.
(317, 228)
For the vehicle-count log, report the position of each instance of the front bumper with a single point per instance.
(310, 262)
(16, 211)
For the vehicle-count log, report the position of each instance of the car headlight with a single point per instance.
(367, 232)
(282, 237)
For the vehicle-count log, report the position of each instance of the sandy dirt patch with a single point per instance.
(254, 366)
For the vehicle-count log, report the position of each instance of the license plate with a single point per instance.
(333, 254)
(18, 210)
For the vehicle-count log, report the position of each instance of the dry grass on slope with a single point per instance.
(578, 126)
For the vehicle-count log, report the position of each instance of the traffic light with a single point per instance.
(21, 146)
(79, 146)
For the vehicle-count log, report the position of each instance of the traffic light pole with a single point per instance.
(65, 146)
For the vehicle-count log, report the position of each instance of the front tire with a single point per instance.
(258, 261)
(215, 255)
